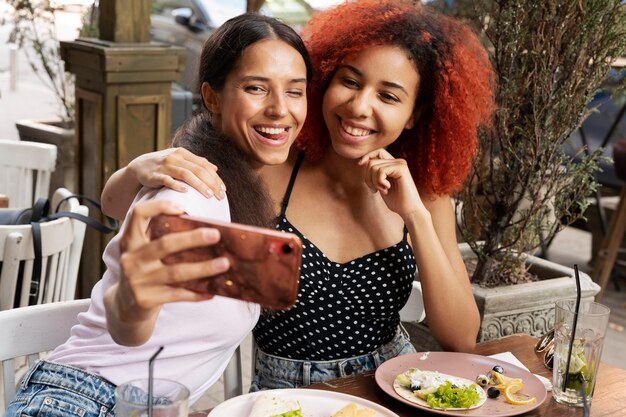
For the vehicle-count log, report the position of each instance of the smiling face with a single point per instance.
(262, 105)
(370, 100)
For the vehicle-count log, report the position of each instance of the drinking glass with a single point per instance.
(169, 399)
(586, 350)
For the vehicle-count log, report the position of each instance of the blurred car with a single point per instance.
(188, 23)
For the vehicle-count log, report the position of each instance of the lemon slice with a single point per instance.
(505, 380)
(512, 396)
(500, 387)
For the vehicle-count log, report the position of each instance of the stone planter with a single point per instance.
(53, 132)
(522, 308)
(529, 307)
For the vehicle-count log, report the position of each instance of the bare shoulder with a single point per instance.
(437, 204)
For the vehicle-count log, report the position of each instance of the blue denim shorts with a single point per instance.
(273, 372)
(55, 390)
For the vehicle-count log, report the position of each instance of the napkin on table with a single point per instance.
(510, 358)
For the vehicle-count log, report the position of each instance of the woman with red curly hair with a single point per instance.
(397, 96)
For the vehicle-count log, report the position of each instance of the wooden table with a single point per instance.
(609, 398)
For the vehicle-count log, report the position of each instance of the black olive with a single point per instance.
(415, 387)
(493, 392)
(498, 369)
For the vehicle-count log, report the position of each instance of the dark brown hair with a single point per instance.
(248, 198)
(224, 47)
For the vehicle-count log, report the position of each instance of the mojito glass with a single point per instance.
(586, 351)
(169, 399)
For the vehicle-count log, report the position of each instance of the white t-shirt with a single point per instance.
(198, 337)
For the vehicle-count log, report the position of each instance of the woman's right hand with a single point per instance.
(134, 302)
(177, 168)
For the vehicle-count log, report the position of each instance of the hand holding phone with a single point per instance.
(264, 263)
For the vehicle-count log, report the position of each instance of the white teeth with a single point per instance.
(271, 130)
(355, 131)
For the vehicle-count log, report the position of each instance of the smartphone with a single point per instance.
(264, 263)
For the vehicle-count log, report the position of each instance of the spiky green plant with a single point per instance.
(549, 56)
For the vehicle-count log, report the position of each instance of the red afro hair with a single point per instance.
(455, 94)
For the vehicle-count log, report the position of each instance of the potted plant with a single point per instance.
(34, 32)
(549, 57)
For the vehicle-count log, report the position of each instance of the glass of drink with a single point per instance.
(169, 399)
(586, 350)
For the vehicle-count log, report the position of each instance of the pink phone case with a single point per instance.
(265, 263)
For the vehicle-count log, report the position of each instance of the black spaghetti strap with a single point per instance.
(406, 232)
(292, 180)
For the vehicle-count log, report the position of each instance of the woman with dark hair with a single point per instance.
(396, 99)
(254, 76)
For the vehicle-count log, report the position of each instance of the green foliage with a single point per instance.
(34, 31)
(549, 56)
(89, 22)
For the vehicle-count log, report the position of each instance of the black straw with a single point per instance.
(574, 324)
(583, 391)
(151, 379)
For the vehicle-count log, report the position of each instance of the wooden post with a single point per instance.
(123, 105)
(253, 6)
(124, 21)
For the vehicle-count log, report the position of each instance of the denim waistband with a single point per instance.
(311, 372)
(73, 379)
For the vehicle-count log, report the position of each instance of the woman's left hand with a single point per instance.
(391, 177)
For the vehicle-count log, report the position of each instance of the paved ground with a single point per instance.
(31, 99)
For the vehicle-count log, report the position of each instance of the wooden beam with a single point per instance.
(125, 21)
(254, 6)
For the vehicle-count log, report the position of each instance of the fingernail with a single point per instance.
(208, 193)
(223, 187)
(209, 234)
(221, 264)
(183, 189)
(221, 195)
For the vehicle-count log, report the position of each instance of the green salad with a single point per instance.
(450, 396)
(292, 413)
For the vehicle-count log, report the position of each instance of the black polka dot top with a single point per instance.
(343, 309)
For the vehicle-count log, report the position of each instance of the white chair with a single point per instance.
(27, 331)
(25, 171)
(233, 376)
(68, 283)
(61, 245)
(30, 330)
(413, 310)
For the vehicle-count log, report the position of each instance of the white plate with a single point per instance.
(314, 402)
